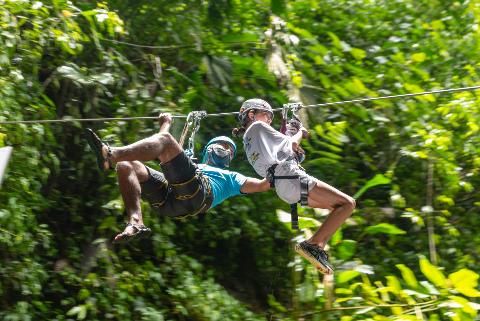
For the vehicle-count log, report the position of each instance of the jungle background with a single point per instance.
(410, 251)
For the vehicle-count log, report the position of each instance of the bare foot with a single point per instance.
(128, 231)
(132, 231)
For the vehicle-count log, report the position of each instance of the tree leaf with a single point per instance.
(278, 6)
(432, 272)
(465, 281)
(378, 179)
(346, 249)
(384, 228)
(408, 275)
(346, 276)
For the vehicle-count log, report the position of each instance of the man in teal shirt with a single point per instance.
(183, 188)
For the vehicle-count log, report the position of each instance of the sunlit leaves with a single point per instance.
(80, 76)
(465, 282)
(384, 228)
(408, 275)
(419, 57)
(432, 272)
(379, 179)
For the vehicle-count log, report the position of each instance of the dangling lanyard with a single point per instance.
(193, 122)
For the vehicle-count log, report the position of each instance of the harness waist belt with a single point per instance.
(303, 191)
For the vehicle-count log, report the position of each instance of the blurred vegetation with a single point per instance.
(409, 252)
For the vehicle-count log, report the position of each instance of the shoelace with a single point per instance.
(317, 251)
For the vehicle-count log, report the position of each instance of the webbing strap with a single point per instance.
(294, 216)
(304, 190)
(286, 177)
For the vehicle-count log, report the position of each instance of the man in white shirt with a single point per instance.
(272, 154)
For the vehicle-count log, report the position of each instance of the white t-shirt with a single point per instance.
(265, 146)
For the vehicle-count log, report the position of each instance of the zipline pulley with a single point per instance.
(293, 107)
(193, 122)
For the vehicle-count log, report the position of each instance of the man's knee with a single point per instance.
(124, 168)
(171, 147)
(166, 139)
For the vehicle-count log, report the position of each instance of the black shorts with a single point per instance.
(180, 191)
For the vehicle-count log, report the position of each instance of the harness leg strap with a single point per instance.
(294, 215)
(304, 190)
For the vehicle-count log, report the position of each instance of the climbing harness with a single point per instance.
(193, 122)
(271, 177)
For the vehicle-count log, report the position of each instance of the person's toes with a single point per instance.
(118, 237)
(129, 230)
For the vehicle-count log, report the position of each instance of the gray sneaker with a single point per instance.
(315, 255)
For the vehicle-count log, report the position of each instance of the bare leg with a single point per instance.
(340, 204)
(161, 146)
(130, 175)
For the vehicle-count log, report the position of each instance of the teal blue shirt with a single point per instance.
(224, 183)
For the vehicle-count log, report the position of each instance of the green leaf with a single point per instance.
(432, 272)
(346, 249)
(465, 281)
(419, 57)
(408, 275)
(303, 222)
(80, 311)
(278, 6)
(384, 228)
(358, 54)
(346, 276)
(378, 179)
(394, 284)
(467, 306)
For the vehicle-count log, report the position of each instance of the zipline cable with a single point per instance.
(360, 100)
(343, 102)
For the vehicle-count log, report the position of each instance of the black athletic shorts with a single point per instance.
(180, 191)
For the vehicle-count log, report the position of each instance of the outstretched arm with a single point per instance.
(254, 185)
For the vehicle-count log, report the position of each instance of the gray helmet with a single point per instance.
(254, 103)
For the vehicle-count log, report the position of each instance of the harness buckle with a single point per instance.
(271, 175)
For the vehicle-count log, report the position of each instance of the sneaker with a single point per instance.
(315, 255)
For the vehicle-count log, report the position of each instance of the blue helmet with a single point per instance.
(218, 157)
